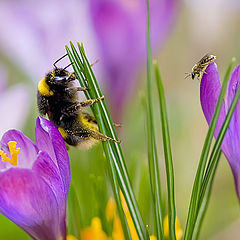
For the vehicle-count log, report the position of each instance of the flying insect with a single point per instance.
(200, 67)
(57, 97)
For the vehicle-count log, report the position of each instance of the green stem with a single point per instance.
(152, 149)
(167, 153)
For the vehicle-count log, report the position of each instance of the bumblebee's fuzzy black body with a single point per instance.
(58, 99)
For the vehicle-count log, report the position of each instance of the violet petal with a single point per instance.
(209, 92)
(120, 31)
(210, 89)
(29, 202)
(234, 124)
(47, 169)
(49, 139)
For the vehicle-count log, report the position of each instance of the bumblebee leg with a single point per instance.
(73, 90)
(95, 62)
(117, 124)
(86, 103)
(72, 76)
(99, 136)
(89, 102)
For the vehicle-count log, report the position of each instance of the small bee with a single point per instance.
(200, 67)
(57, 97)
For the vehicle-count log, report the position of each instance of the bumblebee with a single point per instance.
(200, 67)
(57, 97)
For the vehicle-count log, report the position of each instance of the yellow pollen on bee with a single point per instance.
(44, 89)
(13, 152)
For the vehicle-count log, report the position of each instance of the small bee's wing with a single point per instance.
(203, 59)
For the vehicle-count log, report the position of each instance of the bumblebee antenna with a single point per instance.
(69, 65)
(59, 60)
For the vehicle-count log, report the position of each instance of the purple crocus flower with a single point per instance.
(209, 92)
(121, 33)
(33, 190)
(33, 33)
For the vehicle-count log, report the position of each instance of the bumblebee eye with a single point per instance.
(60, 78)
(193, 75)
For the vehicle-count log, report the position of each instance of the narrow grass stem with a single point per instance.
(112, 149)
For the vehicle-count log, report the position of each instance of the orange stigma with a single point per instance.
(13, 152)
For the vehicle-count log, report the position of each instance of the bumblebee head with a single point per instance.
(59, 77)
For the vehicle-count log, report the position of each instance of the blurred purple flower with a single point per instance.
(33, 34)
(209, 92)
(121, 33)
(33, 194)
(14, 103)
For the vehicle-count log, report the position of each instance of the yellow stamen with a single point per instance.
(13, 152)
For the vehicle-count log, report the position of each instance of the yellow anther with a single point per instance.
(13, 152)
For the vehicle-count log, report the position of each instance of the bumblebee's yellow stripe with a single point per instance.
(86, 123)
(63, 133)
(44, 89)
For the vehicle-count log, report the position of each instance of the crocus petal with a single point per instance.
(43, 29)
(231, 91)
(120, 30)
(47, 169)
(210, 89)
(120, 45)
(28, 150)
(233, 154)
(29, 202)
(49, 139)
(14, 107)
(209, 92)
